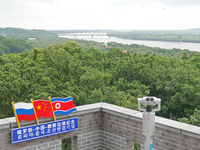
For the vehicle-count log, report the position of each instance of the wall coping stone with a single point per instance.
(4, 124)
(163, 123)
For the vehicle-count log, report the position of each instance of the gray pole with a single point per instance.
(148, 119)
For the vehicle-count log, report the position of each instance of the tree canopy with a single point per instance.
(92, 76)
(8, 46)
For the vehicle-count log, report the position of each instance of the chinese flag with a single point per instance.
(43, 108)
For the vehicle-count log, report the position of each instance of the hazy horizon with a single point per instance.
(106, 29)
(100, 15)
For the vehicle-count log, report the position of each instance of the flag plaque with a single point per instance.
(43, 108)
(43, 130)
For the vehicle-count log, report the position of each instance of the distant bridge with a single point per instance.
(83, 34)
(92, 34)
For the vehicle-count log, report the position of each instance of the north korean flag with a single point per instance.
(63, 106)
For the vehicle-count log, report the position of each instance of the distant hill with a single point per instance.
(24, 34)
(190, 35)
(42, 38)
(196, 30)
(79, 31)
(8, 46)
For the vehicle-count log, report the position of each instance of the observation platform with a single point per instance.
(103, 126)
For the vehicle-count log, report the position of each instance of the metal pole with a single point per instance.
(148, 128)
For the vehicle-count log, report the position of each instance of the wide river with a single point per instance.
(166, 45)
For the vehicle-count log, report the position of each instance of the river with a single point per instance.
(161, 44)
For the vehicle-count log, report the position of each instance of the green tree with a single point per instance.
(193, 119)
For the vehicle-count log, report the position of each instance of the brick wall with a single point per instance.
(53, 145)
(110, 124)
(89, 140)
(103, 140)
(169, 134)
(111, 141)
(74, 143)
(87, 121)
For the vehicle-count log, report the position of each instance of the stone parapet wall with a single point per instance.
(53, 145)
(104, 118)
(110, 141)
(101, 140)
(88, 120)
(169, 134)
(89, 140)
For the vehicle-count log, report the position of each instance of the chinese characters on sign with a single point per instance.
(43, 130)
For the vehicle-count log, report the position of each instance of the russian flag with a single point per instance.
(63, 106)
(24, 111)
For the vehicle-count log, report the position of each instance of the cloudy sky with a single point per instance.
(100, 14)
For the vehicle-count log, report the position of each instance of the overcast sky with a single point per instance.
(100, 14)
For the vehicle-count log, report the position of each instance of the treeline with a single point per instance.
(24, 34)
(79, 31)
(135, 48)
(8, 46)
(159, 36)
(45, 38)
(91, 76)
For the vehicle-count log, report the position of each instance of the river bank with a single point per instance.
(161, 44)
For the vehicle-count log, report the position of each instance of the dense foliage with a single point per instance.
(8, 46)
(193, 119)
(92, 76)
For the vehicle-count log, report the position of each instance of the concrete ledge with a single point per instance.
(4, 124)
(120, 110)
(89, 106)
(168, 124)
(85, 109)
(179, 127)
(12, 121)
(163, 123)
(193, 131)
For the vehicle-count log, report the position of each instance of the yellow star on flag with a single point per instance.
(38, 107)
(43, 108)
